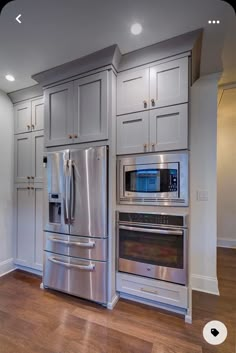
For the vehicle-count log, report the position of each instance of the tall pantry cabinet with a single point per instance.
(28, 179)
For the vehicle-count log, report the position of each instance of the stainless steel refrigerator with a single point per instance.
(75, 246)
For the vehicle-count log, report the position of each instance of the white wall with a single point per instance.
(6, 183)
(203, 232)
(226, 168)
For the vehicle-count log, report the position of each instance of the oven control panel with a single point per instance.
(152, 218)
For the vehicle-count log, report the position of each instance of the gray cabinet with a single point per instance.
(133, 91)
(133, 133)
(77, 111)
(59, 114)
(163, 129)
(91, 108)
(29, 149)
(37, 111)
(29, 116)
(152, 87)
(22, 117)
(169, 83)
(169, 128)
(29, 225)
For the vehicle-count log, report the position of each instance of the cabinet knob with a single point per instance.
(153, 146)
(28, 187)
(32, 126)
(70, 136)
(145, 146)
(75, 136)
(32, 188)
(28, 177)
(28, 126)
(145, 104)
(153, 102)
(32, 177)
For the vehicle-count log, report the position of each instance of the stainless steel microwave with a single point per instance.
(153, 179)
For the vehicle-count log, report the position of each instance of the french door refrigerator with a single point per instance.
(75, 246)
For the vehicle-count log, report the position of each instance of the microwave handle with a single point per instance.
(153, 231)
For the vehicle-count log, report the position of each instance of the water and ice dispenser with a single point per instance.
(55, 205)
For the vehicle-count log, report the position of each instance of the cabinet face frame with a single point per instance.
(100, 79)
(67, 136)
(140, 78)
(24, 125)
(37, 156)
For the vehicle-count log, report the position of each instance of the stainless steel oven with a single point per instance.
(153, 245)
(153, 179)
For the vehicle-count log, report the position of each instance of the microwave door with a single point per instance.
(56, 203)
(88, 206)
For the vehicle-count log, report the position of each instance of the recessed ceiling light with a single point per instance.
(10, 78)
(136, 29)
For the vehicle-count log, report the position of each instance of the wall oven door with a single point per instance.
(158, 253)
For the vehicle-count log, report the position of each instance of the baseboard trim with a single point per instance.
(112, 304)
(7, 267)
(205, 284)
(30, 270)
(226, 243)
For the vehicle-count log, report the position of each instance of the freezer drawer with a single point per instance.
(71, 245)
(82, 278)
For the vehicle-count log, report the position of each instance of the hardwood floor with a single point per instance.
(33, 320)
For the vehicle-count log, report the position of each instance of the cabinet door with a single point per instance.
(59, 115)
(132, 91)
(24, 208)
(22, 117)
(133, 133)
(91, 111)
(37, 108)
(38, 227)
(169, 83)
(169, 128)
(23, 163)
(37, 156)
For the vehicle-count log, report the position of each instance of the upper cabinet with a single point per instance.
(91, 108)
(59, 114)
(29, 115)
(77, 111)
(153, 87)
(133, 91)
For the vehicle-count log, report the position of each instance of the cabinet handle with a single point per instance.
(32, 126)
(145, 104)
(153, 102)
(149, 291)
(75, 136)
(28, 126)
(70, 136)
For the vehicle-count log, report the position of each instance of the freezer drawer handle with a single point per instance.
(89, 245)
(90, 267)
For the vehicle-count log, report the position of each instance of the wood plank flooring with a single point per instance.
(33, 320)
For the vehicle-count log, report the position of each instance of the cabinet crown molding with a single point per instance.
(101, 58)
(190, 42)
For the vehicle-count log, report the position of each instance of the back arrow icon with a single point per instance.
(18, 18)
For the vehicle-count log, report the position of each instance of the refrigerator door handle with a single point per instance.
(65, 198)
(72, 192)
(89, 245)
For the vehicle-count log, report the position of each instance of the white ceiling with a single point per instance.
(57, 31)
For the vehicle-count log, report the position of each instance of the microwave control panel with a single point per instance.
(152, 218)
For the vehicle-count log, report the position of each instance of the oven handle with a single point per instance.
(153, 231)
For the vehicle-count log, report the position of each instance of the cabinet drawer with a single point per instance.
(82, 278)
(87, 248)
(158, 291)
